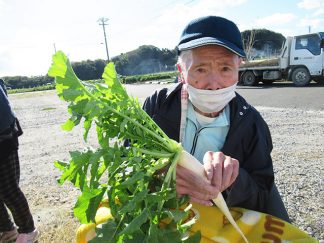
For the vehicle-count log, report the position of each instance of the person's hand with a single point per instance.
(221, 170)
(197, 188)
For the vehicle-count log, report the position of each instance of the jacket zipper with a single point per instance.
(194, 143)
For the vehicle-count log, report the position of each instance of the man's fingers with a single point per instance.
(235, 173)
(224, 168)
(230, 172)
(191, 177)
(227, 172)
(193, 185)
(198, 195)
(207, 192)
(208, 159)
(218, 159)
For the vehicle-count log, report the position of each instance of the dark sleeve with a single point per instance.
(11, 142)
(252, 187)
(149, 104)
(165, 110)
(148, 107)
(3, 86)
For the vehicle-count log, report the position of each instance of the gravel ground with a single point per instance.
(298, 141)
(298, 161)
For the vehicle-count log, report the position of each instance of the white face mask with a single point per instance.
(209, 101)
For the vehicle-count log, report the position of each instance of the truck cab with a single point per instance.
(307, 52)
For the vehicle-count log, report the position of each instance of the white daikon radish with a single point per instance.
(191, 163)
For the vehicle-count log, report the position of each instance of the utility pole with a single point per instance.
(54, 48)
(102, 21)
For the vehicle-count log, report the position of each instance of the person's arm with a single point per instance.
(252, 186)
(3, 86)
(149, 104)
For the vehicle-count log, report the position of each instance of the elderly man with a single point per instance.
(214, 123)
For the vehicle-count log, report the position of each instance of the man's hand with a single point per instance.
(221, 172)
(197, 188)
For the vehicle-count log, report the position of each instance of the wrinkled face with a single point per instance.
(209, 67)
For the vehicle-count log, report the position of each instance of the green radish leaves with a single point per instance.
(140, 196)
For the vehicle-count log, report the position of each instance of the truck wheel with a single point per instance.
(249, 79)
(300, 76)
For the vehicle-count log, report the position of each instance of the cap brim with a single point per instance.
(211, 41)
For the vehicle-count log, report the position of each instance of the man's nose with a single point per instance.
(214, 81)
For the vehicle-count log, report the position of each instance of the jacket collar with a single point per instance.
(173, 90)
(239, 110)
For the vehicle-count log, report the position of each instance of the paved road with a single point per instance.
(282, 95)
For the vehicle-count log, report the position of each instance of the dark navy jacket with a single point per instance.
(9, 127)
(7, 115)
(248, 141)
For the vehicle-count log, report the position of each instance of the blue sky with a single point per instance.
(30, 28)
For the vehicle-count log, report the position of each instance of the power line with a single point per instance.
(102, 21)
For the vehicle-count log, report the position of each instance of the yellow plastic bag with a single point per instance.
(214, 227)
(257, 227)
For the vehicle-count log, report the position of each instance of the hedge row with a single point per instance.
(148, 77)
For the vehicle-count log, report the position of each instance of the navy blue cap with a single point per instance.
(211, 30)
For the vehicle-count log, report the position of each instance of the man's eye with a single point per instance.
(201, 70)
(226, 69)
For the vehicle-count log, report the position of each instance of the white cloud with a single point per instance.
(285, 31)
(316, 5)
(313, 23)
(276, 19)
(319, 12)
(28, 53)
(2, 6)
(181, 14)
(5, 64)
(310, 4)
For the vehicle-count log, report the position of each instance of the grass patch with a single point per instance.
(149, 77)
(38, 88)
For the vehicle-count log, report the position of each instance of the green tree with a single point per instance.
(145, 59)
(262, 39)
(88, 70)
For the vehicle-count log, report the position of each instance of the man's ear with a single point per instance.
(239, 61)
(179, 67)
(180, 79)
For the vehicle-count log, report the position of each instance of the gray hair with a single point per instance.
(185, 59)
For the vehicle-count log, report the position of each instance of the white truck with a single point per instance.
(301, 60)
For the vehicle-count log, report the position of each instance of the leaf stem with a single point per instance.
(167, 179)
(168, 146)
(155, 153)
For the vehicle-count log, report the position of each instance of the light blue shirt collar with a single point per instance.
(200, 139)
(221, 120)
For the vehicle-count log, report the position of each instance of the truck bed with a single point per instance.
(260, 63)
